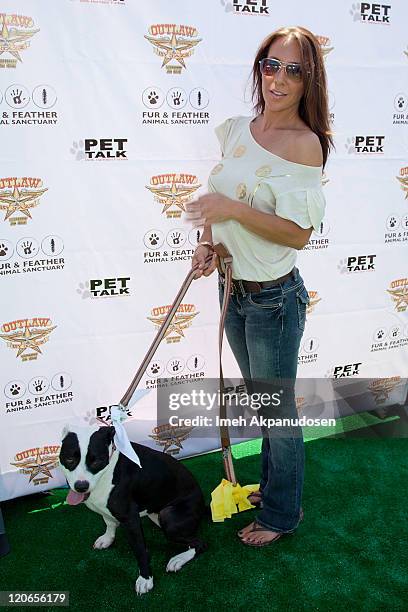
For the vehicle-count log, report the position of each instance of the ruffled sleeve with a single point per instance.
(304, 207)
(223, 132)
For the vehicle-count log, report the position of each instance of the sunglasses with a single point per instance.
(270, 67)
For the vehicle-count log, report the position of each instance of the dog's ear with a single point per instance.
(65, 431)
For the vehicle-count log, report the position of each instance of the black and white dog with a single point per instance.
(117, 488)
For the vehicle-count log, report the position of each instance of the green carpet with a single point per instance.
(350, 552)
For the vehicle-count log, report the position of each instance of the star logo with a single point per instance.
(400, 297)
(382, 387)
(180, 322)
(29, 338)
(41, 463)
(173, 48)
(13, 41)
(19, 201)
(173, 195)
(314, 300)
(404, 184)
(171, 435)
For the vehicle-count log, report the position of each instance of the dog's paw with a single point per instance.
(143, 585)
(104, 541)
(177, 562)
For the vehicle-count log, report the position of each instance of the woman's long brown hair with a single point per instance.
(313, 106)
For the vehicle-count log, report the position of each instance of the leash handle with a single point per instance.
(225, 265)
(160, 335)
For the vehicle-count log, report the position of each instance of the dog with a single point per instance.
(119, 490)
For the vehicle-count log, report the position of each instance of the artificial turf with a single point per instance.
(350, 552)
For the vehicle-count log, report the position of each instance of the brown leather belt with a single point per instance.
(243, 286)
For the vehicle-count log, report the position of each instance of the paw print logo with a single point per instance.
(155, 369)
(176, 97)
(351, 145)
(329, 373)
(83, 290)
(90, 418)
(175, 365)
(153, 97)
(78, 150)
(355, 11)
(401, 102)
(380, 334)
(15, 389)
(227, 6)
(342, 266)
(4, 249)
(38, 385)
(153, 239)
(392, 222)
(176, 238)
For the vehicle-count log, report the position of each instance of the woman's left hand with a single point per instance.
(209, 208)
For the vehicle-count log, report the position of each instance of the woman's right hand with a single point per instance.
(203, 260)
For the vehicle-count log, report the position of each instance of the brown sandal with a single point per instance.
(256, 527)
(240, 532)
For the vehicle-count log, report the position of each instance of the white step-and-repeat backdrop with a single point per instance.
(107, 110)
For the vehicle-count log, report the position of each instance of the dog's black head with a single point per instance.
(84, 455)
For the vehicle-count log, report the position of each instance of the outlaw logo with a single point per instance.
(18, 196)
(314, 300)
(403, 179)
(382, 387)
(180, 322)
(26, 335)
(171, 435)
(399, 294)
(36, 462)
(14, 38)
(172, 191)
(173, 43)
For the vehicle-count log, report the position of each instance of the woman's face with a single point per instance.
(286, 50)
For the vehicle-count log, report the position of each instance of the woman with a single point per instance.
(265, 201)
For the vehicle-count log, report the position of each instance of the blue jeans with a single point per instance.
(264, 331)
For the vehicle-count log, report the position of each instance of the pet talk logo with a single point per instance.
(99, 149)
(382, 387)
(27, 335)
(365, 145)
(27, 249)
(308, 352)
(18, 96)
(37, 393)
(319, 240)
(104, 287)
(357, 263)
(347, 370)
(399, 294)
(397, 229)
(181, 321)
(369, 12)
(174, 43)
(172, 191)
(16, 32)
(403, 179)
(170, 437)
(18, 196)
(246, 7)
(385, 339)
(37, 463)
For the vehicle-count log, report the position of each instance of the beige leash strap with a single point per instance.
(160, 335)
(225, 268)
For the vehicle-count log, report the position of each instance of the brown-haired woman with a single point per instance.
(265, 200)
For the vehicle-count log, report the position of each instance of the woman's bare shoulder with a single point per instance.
(306, 148)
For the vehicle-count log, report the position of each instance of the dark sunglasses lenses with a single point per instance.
(269, 67)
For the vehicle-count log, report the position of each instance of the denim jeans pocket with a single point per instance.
(266, 298)
(302, 301)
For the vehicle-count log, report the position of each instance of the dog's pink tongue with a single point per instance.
(74, 498)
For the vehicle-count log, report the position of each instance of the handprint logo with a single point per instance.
(175, 365)
(17, 97)
(27, 248)
(177, 96)
(175, 236)
(38, 385)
